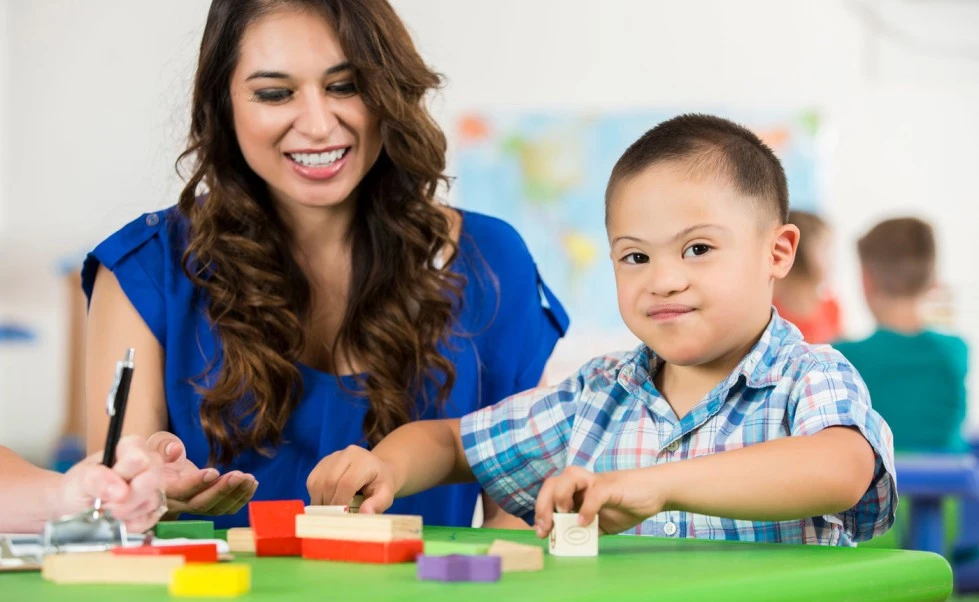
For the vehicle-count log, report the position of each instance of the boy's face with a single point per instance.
(695, 262)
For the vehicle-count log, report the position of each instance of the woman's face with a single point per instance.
(300, 123)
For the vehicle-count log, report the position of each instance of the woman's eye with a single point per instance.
(273, 95)
(636, 258)
(344, 89)
(696, 250)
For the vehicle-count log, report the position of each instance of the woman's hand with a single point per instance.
(199, 491)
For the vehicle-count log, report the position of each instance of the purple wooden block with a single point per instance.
(457, 567)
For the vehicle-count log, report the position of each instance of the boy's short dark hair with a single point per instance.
(715, 146)
(899, 256)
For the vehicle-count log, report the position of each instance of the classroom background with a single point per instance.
(871, 103)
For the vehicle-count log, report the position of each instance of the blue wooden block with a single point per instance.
(457, 567)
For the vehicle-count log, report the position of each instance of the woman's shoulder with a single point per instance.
(494, 240)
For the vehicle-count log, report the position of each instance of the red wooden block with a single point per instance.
(380, 552)
(201, 552)
(277, 546)
(274, 519)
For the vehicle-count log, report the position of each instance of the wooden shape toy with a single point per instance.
(274, 527)
(214, 580)
(105, 567)
(359, 527)
(569, 539)
(191, 529)
(518, 557)
(375, 552)
(459, 568)
(320, 510)
(207, 552)
(241, 539)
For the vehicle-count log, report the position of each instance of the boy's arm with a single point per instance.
(783, 479)
(414, 457)
(425, 454)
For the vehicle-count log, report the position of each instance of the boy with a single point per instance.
(723, 424)
(916, 376)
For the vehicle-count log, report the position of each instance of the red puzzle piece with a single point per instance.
(200, 552)
(380, 552)
(274, 527)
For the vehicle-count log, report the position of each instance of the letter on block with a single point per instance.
(568, 539)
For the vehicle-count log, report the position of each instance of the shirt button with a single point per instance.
(670, 529)
(152, 219)
(673, 446)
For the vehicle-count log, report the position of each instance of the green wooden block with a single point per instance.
(447, 548)
(191, 529)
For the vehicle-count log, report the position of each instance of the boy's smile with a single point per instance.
(694, 263)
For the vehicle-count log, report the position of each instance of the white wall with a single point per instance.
(98, 90)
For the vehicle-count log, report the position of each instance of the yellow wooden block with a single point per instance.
(105, 567)
(224, 580)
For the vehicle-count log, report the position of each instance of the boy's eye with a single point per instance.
(635, 258)
(696, 250)
(272, 94)
(343, 89)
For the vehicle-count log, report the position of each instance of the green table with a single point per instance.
(628, 568)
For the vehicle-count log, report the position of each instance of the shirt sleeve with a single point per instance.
(135, 255)
(830, 394)
(513, 446)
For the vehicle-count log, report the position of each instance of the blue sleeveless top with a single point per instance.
(509, 320)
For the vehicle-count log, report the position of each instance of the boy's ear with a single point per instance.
(867, 282)
(784, 247)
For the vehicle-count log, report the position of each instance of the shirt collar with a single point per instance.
(761, 367)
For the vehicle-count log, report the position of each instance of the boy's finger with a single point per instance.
(167, 445)
(544, 509)
(377, 500)
(100, 482)
(565, 487)
(594, 499)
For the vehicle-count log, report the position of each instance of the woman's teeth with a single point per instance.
(318, 159)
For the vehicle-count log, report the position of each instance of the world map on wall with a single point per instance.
(545, 174)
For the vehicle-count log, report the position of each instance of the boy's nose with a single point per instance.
(665, 280)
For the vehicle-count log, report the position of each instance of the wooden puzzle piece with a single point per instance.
(106, 567)
(459, 567)
(191, 529)
(379, 552)
(207, 552)
(518, 557)
(569, 539)
(274, 527)
(241, 539)
(224, 580)
(359, 527)
(445, 548)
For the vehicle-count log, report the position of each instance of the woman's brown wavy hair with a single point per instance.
(402, 296)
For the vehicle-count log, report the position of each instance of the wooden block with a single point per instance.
(278, 546)
(320, 510)
(207, 552)
(105, 567)
(459, 567)
(274, 527)
(191, 529)
(359, 527)
(241, 539)
(225, 580)
(518, 557)
(377, 552)
(568, 539)
(274, 519)
(446, 548)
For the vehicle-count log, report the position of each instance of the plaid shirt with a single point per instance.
(609, 416)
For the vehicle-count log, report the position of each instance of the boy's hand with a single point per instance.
(341, 475)
(622, 499)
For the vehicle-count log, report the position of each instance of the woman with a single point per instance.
(308, 292)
